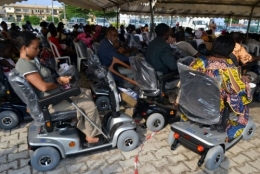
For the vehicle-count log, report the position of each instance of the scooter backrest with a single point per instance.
(27, 94)
(145, 75)
(199, 96)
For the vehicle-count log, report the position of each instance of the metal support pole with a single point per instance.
(64, 11)
(52, 11)
(257, 26)
(249, 21)
(152, 17)
(117, 16)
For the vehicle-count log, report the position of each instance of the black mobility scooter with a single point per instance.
(153, 103)
(12, 109)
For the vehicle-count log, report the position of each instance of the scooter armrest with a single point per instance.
(58, 97)
(166, 77)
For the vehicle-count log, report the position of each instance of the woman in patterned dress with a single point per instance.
(233, 88)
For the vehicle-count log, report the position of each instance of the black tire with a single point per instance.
(127, 140)
(103, 103)
(155, 122)
(249, 130)
(45, 159)
(8, 120)
(214, 157)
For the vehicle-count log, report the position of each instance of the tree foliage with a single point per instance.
(56, 20)
(108, 14)
(234, 21)
(26, 18)
(34, 20)
(72, 11)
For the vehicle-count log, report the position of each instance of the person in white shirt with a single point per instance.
(185, 46)
(213, 27)
(198, 34)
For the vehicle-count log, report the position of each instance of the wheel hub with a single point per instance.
(7, 121)
(103, 104)
(250, 131)
(45, 161)
(157, 123)
(217, 159)
(129, 142)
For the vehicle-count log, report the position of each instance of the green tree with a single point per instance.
(108, 14)
(56, 20)
(72, 11)
(234, 21)
(26, 18)
(34, 20)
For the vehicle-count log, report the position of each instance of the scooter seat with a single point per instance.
(63, 115)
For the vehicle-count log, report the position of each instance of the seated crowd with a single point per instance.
(159, 50)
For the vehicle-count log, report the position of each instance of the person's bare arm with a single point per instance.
(254, 58)
(36, 80)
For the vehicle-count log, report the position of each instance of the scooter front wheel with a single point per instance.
(127, 140)
(45, 159)
(214, 157)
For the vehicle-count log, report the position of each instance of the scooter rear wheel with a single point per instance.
(127, 140)
(249, 130)
(45, 159)
(171, 138)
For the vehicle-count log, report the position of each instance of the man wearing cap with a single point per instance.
(198, 34)
(212, 26)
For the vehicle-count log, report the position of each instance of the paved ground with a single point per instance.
(156, 157)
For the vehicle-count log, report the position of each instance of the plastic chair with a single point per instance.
(246, 47)
(253, 48)
(80, 55)
(57, 54)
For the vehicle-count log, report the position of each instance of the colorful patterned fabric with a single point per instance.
(237, 94)
(241, 54)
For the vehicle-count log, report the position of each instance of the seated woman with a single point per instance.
(233, 89)
(62, 48)
(28, 45)
(5, 57)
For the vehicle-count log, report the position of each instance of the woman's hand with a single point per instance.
(245, 78)
(64, 80)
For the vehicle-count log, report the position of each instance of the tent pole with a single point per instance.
(249, 21)
(152, 17)
(117, 16)
(250, 17)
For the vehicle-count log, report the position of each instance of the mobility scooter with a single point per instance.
(153, 103)
(51, 136)
(12, 109)
(205, 130)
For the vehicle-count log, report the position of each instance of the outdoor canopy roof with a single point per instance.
(200, 8)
